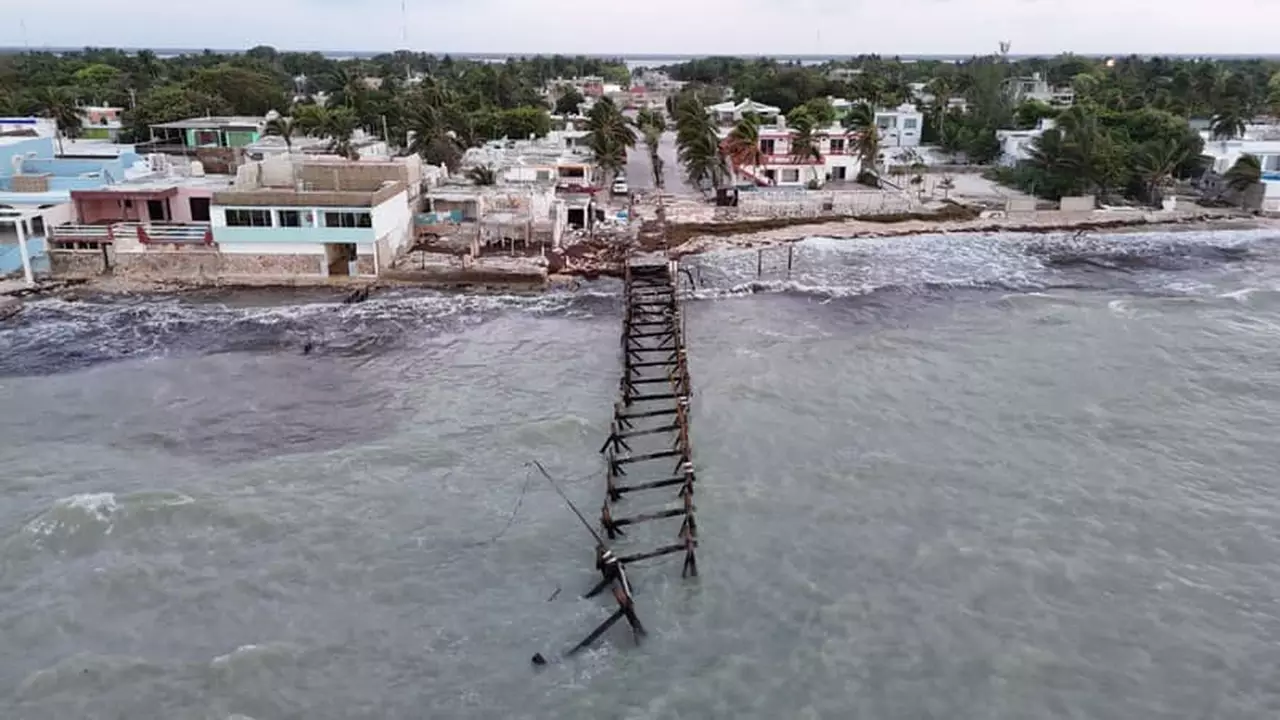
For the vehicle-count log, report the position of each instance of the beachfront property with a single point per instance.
(900, 127)
(502, 217)
(1260, 141)
(315, 217)
(1016, 145)
(780, 168)
(1035, 87)
(37, 184)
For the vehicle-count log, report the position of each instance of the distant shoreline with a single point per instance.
(644, 59)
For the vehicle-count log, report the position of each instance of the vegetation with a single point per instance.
(610, 136)
(1126, 135)
(467, 101)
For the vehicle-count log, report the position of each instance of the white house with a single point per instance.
(1015, 145)
(729, 112)
(780, 168)
(1035, 87)
(318, 218)
(900, 127)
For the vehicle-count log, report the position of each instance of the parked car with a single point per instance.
(620, 187)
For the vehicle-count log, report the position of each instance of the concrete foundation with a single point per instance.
(76, 263)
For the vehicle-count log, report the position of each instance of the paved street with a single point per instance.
(640, 176)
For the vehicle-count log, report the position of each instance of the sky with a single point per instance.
(636, 27)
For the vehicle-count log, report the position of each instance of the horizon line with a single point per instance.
(8, 49)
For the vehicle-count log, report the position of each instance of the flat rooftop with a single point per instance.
(218, 121)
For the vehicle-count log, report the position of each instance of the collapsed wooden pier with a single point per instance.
(649, 476)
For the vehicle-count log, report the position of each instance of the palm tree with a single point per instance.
(340, 125)
(1245, 173)
(309, 120)
(698, 145)
(1155, 163)
(1227, 124)
(942, 90)
(862, 120)
(58, 104)
(743, 144)
(804, 141)
(652, 125)
(482, 175)
(283, 128)
(609, 137)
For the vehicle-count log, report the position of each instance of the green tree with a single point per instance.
(283, 128)
(609, 137)
(1244, 174)
(568, 102)
(805, 147)
(862, 120)
(1227, 124)
(698, 145)
(520, 123)
(482, 175)
(652, 124)
(247, 92)
(1156, 162)
(60, 105)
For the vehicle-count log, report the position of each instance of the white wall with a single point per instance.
(394, 219)
(272, 248)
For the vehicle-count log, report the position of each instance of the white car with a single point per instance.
(619, 187)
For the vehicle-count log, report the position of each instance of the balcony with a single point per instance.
(80, 237)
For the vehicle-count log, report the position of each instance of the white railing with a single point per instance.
(177, 233)
(81, 233)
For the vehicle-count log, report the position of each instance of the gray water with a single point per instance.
(940, 477)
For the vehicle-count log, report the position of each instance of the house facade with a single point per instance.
(318, 219)
(207, 132)
(779, 167)
(1035, 87)
(900, 127)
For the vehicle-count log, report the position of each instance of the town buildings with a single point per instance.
(900, 127)
(1035, 87)
(1016, 145)
(1260, 141)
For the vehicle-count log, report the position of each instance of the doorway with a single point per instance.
(156, 211)
(200, 209)
(577, 218)
(339, 256)
(838, 173)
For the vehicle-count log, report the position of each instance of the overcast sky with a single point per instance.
(695, 27)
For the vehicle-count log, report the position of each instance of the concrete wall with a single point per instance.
(273, 249)
(1077, 203)
(803, 203)
(393, 220)
(1020, 205)
(76, 263)
(205, 265)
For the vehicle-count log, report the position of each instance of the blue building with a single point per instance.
(37, 185)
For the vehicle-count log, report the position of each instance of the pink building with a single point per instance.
(174, 210)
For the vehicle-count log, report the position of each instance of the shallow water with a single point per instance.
(953, 477)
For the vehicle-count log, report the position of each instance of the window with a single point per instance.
(347, 220)
(199, 209)
(908, 123)
(248, 218)
(289, 218)
(837, 145)
(766, 147)
(790, 175)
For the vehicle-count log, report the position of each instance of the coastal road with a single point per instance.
(640, 176)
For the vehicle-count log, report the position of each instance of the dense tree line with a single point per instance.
(448, 105)
(1127, 133)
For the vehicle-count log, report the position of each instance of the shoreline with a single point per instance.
(695, 243)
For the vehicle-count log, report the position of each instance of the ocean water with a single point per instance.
(966, 476)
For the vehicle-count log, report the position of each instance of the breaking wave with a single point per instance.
(60, 335)
(1149, 262)
(82, 523)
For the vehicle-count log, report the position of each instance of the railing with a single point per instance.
(147, 233)
(71, 233)
(175, 233)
